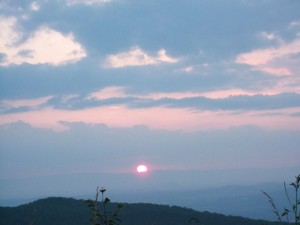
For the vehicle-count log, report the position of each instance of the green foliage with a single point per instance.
(100, 214)
(293, 206)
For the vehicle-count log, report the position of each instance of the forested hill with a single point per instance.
(68, 211)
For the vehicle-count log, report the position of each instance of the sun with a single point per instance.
(141, 168)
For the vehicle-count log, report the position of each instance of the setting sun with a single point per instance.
(141, 169)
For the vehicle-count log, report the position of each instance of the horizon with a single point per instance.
(245, 200)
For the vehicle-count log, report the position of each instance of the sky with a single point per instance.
(204, 93)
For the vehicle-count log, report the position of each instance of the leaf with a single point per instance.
(286, 212)
(102, 190)
(275, 210)
(294, 185)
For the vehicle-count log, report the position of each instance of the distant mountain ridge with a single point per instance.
(69, 211)
(244, 201)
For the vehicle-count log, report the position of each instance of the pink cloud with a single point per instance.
(277, 60)
(156, 118)
(120, 92)
(173, 95)
(277, 71)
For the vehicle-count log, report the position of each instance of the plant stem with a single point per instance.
(296, 204)
(104, 209)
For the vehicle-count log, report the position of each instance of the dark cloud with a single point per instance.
(240, 102)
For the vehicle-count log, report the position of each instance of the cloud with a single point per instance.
(281, 60)
(224, 100)
(270, 36)
(114, 116)
(156, 118)
(137, 57)
(121, 92)
(35, 6)
(44, 46)
(239, 103)
(187, 111)
(8, 32)
(25, 102)
(222, 94)
(107, 93)
(219, 94)
(295, 24)
(188, 69)
(87, 2)
(230, 99)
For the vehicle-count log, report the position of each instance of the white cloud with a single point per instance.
(281, 60)
(87, 2)
(195, 68)
(294, 24)
(137, 57)
(188, 69)
(35, 6)
(9, 34)
(270, 36)
(44, 46)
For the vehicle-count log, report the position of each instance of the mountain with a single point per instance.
(68, 211)
(245, 201)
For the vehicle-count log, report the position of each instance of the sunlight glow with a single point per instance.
(141, 169)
